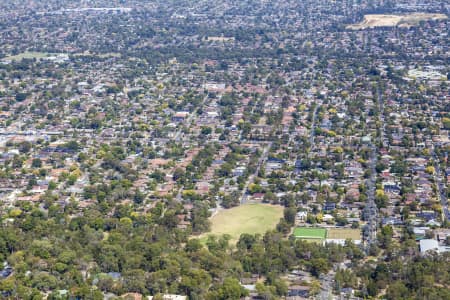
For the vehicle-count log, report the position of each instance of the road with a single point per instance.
(313, 126)
(250, 179)
(326, 286)
(326, 281)
(179, 196)
(177, 138)
(371, 209)
(383, 123)
(441, 188)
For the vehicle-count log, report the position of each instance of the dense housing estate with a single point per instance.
(224, 149)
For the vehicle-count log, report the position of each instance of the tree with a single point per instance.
(199, 218)
(36, 163)
(319, 266)
(88, 293)
(105, 283)
(445, 120)
(7, 285)
(195, 282)
(193, 245)
(311, 219)
(314, 287)
(430, 170)
(25, 147)
(134, 281)
(138, 197)
(397, 290)
(381, 199)
(178, 175)
(344, 279)
(385, 236)
(281, 288)
(206, 130)
(72, 145)
(283, 226)
(266, 292)
(380, 167)
(246, 241)
(231, 289)
(21, 97)
(289, 215)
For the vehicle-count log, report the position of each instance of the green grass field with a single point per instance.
(344, 233)
(250, 218)
(310, 233)
(28, 55)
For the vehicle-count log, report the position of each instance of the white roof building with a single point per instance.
(170, 297)
(427, 245)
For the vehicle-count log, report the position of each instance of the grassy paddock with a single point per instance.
(249, 218)
(344, 233)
